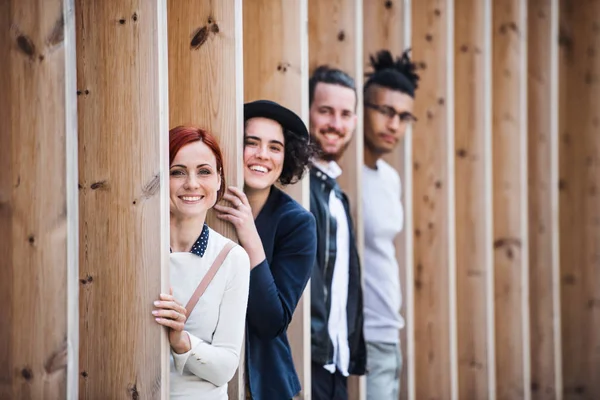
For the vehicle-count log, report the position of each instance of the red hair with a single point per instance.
(184, 135)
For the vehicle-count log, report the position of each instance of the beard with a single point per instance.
(328, 156)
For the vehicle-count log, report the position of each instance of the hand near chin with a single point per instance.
(240, 216)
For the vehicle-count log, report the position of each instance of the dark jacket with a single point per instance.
(321, 186)
(288, 234)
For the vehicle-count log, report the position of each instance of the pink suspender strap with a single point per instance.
(210, 274)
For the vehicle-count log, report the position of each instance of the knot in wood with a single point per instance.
(27, 373)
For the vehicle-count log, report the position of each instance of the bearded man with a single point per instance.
(338, 344)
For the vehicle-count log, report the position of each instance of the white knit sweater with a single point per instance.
(216, 325)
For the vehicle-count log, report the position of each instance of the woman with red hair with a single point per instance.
(209, 274)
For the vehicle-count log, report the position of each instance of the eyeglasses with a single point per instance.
(391, 113)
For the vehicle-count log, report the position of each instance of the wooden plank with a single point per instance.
(276, 60)
(165, 215)
(206, 78)
(474, 254)
(544, 286)
(386, 25)
(579, 206)
(206, 89)
(124, 253)
(433, 210)
(38, 207)
(276, 68)
(335, 38)
(510, 199)
(72, 200)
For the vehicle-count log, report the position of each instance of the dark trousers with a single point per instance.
(328, 386)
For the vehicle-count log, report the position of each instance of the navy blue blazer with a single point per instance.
(288, 234)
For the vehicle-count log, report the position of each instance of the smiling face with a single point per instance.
(332, 119)
(381, 132)
(193, 181)
(264, 151)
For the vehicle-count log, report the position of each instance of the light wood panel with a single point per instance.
(544, 235)
(276, 61)
(276, 68)
(474, 254)
(335, 38)
(510, 199)
(386, 25)
(206, 89)
(433, 208)
(579, 206)
(122, 161)
(206, 78)
(38, 207)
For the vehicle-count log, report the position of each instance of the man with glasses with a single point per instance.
(388, 111)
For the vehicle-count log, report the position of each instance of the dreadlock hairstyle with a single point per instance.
(396, 75)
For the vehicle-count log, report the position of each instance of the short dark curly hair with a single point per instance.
(298, 153)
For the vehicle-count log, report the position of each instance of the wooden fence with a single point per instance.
(500, 255)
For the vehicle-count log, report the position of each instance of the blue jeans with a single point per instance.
(384, 364)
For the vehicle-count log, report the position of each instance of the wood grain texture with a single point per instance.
(544, 235)
(276, 60)
(206, 78)
(206, 89)
(165, 215)
(72, 227)
(37, 211)
(474, 254)
(276, 68)
(123, 253)
(579, 206)
(335, 38)
(385, 26)
(510, 199)
(432, 181)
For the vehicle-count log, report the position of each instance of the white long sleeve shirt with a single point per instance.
(215, 326)
(383, 218)
(338, 318)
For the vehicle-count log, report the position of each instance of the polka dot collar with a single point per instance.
(199, 247)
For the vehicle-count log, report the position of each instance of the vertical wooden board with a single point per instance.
(335, 38)
(472, 48)
(122, 256)
(384, 27)
(274, 37)
(510, 198)
(206, 78)
(72, 224)
(165, 215)
(36, 207)
(276, 68)
(276, 60)
(579, 155)
(544, 285)
(432, 208)
(206, 89)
